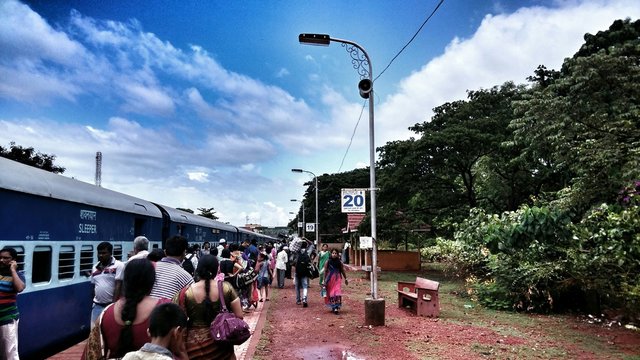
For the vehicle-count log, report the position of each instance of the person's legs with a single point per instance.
(281, 274)
(305, 290)
(296, 282)
(266, 292)
(9, 341)
(95, 313)
(260, 290)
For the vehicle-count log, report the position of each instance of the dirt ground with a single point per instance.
(463, 330)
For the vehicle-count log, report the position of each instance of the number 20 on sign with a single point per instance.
(353, 201)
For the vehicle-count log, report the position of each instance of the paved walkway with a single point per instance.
(255, 319)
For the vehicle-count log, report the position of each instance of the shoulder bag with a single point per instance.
(226, 327)
(313, 271)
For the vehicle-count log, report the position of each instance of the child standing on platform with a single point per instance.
(265, 274)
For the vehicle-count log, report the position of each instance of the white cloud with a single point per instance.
(24, 34)
(282, 73)
(505, 47)
(199, 176)
(150, 100)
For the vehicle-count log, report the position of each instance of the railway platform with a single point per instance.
(255, 319)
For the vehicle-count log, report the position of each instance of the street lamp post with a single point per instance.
(292, 213)
(374, 307)
(304, 233)
(317, 226)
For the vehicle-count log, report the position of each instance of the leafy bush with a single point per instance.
(608, 257)
(518, 257)
(536, 258)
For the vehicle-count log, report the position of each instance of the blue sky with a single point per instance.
(211, 103)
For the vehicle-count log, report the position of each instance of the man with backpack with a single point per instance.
(301, 279)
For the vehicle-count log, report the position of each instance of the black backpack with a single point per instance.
(187, 264)
(302, 264)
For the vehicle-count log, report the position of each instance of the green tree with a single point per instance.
(208, 213)
(31, 157)
(331, 218)
(586, 121)
(463, 158)
(400, 208)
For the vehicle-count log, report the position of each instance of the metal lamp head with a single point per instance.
(315, 39)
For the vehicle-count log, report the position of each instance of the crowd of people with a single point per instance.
(159, 304)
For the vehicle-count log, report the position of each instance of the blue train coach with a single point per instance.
(55, 223)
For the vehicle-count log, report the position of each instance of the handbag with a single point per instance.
(313, 271)
(226, 327)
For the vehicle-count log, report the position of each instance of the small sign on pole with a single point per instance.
(311, 227)
(300, 224)
(366, 242)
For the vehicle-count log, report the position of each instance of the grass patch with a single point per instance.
(501, 351)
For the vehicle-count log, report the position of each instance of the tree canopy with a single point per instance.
(31, 157)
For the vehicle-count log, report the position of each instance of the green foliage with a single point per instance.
(208, 213)
(516, 256)
(608, 257)
(586, 121)
(30, 157)
(492, 295)
(331, 219)
(530, 258)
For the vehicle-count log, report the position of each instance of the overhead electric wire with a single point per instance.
(352, 135)
(382, 72)
(410, 40)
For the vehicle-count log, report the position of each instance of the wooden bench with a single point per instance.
(421, 296)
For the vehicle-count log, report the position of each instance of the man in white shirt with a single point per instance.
(106, 276)
(281, 265)
(222, 244)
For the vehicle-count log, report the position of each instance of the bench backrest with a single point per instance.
(427, 284)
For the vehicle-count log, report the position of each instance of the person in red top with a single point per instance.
(123, 325)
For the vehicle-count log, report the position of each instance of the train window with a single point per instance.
(117, 252)
(86, 260)
(41, 264)
(66, 262)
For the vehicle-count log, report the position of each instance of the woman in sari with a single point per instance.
(201, 302)
(122, 326)
(333, 275)
(322, 260)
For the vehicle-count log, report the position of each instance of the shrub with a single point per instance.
(608, 257)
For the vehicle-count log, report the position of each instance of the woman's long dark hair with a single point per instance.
(207, 270)
(139, 277)
(337, 262)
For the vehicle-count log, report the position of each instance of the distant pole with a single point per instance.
(304, 233)
(317, 225)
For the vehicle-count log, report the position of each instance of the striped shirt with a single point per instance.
(170, 278)
(8, 303)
